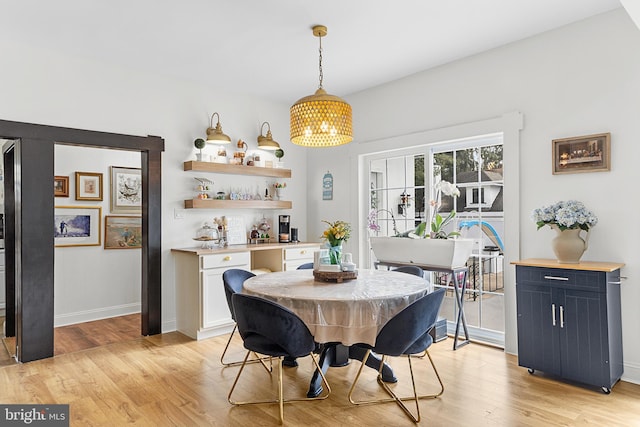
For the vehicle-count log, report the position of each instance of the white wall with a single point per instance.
(89, 281)
(46, 87)
(578, 80)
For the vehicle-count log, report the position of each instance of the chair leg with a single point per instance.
(280, 393)
(239, 362)
(393, 397)
(280, 400)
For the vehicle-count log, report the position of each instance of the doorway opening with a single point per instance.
(101, 280)
(29, 220)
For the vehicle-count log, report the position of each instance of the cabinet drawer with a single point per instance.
(232, 259)
(564, 278)
(299, 253)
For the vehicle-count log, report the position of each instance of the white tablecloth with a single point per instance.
(350, 312)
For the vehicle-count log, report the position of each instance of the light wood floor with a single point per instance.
(170, 380)
(82, 336)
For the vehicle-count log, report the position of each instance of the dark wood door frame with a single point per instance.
(29, 224)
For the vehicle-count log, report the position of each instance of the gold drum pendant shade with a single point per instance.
(321, 119)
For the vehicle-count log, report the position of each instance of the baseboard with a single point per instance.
(97, 314)
(631, 373)
(169, 326)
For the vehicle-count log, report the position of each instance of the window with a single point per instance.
(477, 196)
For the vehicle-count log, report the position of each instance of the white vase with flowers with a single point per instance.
(569, 219)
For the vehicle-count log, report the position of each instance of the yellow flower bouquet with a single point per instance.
(337, 233)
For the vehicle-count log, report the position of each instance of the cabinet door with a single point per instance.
(583, 340)
(215, 310)
(538, 346)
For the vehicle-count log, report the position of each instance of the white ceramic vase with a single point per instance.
(568, 245)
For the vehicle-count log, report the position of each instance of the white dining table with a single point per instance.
(350, 312)
(340, 315)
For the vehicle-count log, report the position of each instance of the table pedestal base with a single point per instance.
(335, 354)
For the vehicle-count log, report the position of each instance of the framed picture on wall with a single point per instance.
(88, 186)
(77, 226)
(126, 190)
(122, 232)
(589, 153)
(61, 186)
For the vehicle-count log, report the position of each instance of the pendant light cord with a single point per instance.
(320, 63)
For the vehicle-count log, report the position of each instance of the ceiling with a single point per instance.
(266, 47)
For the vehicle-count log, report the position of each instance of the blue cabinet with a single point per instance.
(569, 321)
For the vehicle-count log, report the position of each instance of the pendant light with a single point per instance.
(321, 120)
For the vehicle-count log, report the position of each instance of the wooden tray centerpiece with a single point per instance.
(337, 276)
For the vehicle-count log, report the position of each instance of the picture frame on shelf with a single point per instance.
(589, 153)
(122, 232)
(126, 190)
(61, 186)
(77, 226)
(89, 186)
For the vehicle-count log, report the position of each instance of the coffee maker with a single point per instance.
(284, 228)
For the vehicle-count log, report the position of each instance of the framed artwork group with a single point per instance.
(77, 225)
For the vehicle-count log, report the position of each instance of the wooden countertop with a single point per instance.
(245, 248)
(584, 265)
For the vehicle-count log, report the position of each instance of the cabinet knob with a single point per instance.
(227, 258)
(303, 252)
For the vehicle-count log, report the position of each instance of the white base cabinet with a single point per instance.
(201, 304)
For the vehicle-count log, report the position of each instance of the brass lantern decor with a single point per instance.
(267, 142)
(321, 120)
(215, 135)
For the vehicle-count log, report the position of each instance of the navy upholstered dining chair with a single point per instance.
(410, 269)
(305, 266)
(406, 334)
(232, 280)
(271, 329)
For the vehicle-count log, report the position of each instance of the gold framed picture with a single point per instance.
(589, 153)
(122, 232)
(88, 186)
(77, 226)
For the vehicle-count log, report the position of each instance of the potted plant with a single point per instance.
(279, 187)
(279, 153)
(199, 144)
(438, 248)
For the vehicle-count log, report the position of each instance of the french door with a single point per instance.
(403, 193)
